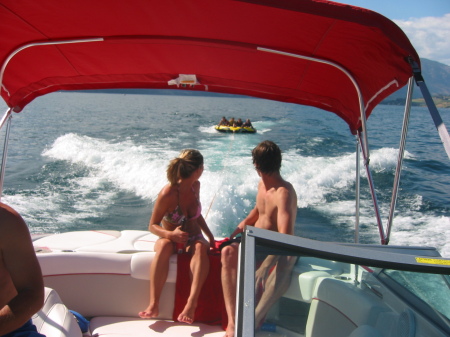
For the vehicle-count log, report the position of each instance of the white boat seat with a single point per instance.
(54, 319)
(343, 307)
(137, 327)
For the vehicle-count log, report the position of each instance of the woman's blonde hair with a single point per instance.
(184, 165)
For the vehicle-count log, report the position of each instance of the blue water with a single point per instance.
(82, 161)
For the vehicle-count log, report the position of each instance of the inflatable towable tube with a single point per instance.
(235, 129)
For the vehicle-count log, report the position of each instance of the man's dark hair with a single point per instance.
(267, 157)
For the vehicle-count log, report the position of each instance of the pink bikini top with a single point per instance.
(176, 217)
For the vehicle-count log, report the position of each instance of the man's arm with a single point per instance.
(20, 261)
(287, 210)
(250, 220)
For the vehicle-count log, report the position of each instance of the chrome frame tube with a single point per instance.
(349, 76)
(6, 119)
(357, 190)
(37, 44)
(437, 119)
(401, 152)
(372, 192)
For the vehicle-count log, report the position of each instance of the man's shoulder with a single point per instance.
(12, 227)
(9, 217)
(285, 187)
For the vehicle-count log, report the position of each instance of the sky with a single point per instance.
(425, 22)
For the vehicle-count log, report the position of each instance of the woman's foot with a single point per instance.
(151, 312)
(187, 315)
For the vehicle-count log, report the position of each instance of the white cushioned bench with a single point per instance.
(111, 288)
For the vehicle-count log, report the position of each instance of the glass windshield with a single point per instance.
(302, 294)
(430, 288)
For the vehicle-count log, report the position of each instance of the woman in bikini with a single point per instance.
(178, 221)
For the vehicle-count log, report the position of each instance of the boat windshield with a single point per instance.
(430, 288)
(297, 285)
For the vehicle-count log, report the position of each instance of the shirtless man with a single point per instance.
(275, 210)
(21, 284)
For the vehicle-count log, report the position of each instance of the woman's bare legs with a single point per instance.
(199, 271)
(159, 269)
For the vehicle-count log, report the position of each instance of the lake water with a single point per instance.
(82, 161)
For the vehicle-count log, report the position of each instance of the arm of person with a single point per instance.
(204, 227)
(160, 208)
(287, 211)
(21, 263)
(7, 289)
(250, 220)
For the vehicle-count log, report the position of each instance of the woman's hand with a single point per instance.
(179, 236)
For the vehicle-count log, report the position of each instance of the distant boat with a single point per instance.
(235, 129)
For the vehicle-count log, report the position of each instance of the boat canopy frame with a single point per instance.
(362, 133)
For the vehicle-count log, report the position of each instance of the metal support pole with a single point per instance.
(6, 118)
(438, 122)
(357, 190)
(401, 152)
(372, 191)
(362, 109)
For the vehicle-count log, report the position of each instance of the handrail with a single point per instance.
(438, 122)
(357, 190)
(362, 109)
(37, 44)
(6, 118)
(372, 192)
(401, 152)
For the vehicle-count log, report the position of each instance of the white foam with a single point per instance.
(229, 184)
(129, 167)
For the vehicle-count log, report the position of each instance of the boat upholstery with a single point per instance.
(308, 271)
(111, 288)
(106, 241)
(106, 284)
(345, 307)
(54, 319)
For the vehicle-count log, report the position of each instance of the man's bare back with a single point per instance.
(276, 203)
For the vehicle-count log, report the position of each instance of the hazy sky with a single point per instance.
(425, 22)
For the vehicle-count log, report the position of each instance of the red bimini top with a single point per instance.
(254, 48)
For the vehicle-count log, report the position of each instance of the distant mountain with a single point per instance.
(437, 79)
